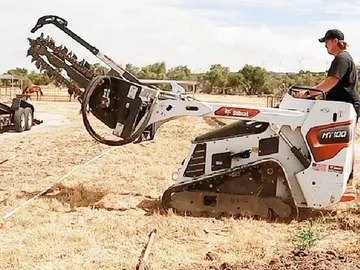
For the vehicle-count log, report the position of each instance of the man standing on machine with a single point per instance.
(341, 81)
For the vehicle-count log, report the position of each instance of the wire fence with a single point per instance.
(61, 95)
(49, 94)
(273, 101)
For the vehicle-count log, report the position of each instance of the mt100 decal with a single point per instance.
(334, 135)
(327, 140)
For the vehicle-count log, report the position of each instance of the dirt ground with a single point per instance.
(100, 217)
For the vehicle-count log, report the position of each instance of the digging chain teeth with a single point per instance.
(53, 73)
(59, 56)
(61, 52)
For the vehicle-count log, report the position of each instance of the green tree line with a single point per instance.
(249, 80)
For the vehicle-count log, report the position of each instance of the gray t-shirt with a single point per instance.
(343, 67)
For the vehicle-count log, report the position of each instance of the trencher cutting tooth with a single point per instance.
(87, 65)
(58, 48)
(37, 64)
(31, 41)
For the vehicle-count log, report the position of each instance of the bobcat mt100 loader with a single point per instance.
(272, 161)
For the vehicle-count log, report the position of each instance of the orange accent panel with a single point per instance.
(348, 197)
(237, 112)
(320, 151)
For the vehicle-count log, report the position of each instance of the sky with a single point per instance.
(279, 35)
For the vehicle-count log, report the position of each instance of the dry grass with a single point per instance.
(99, 218)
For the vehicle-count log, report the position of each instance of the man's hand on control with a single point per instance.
(301, 94)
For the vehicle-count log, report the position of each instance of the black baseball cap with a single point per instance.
(331, 34)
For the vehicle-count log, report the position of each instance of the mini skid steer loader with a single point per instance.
(272, 161)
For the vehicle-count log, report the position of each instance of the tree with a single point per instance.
(179, 73)
(100, 69)
(254, 79)
(217, 77)
(275, 84)
(20, 72)
(134, 70)
(155, 71)
(234, 81)
(38, 78)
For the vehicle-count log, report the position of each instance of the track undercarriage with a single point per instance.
(243, 190)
